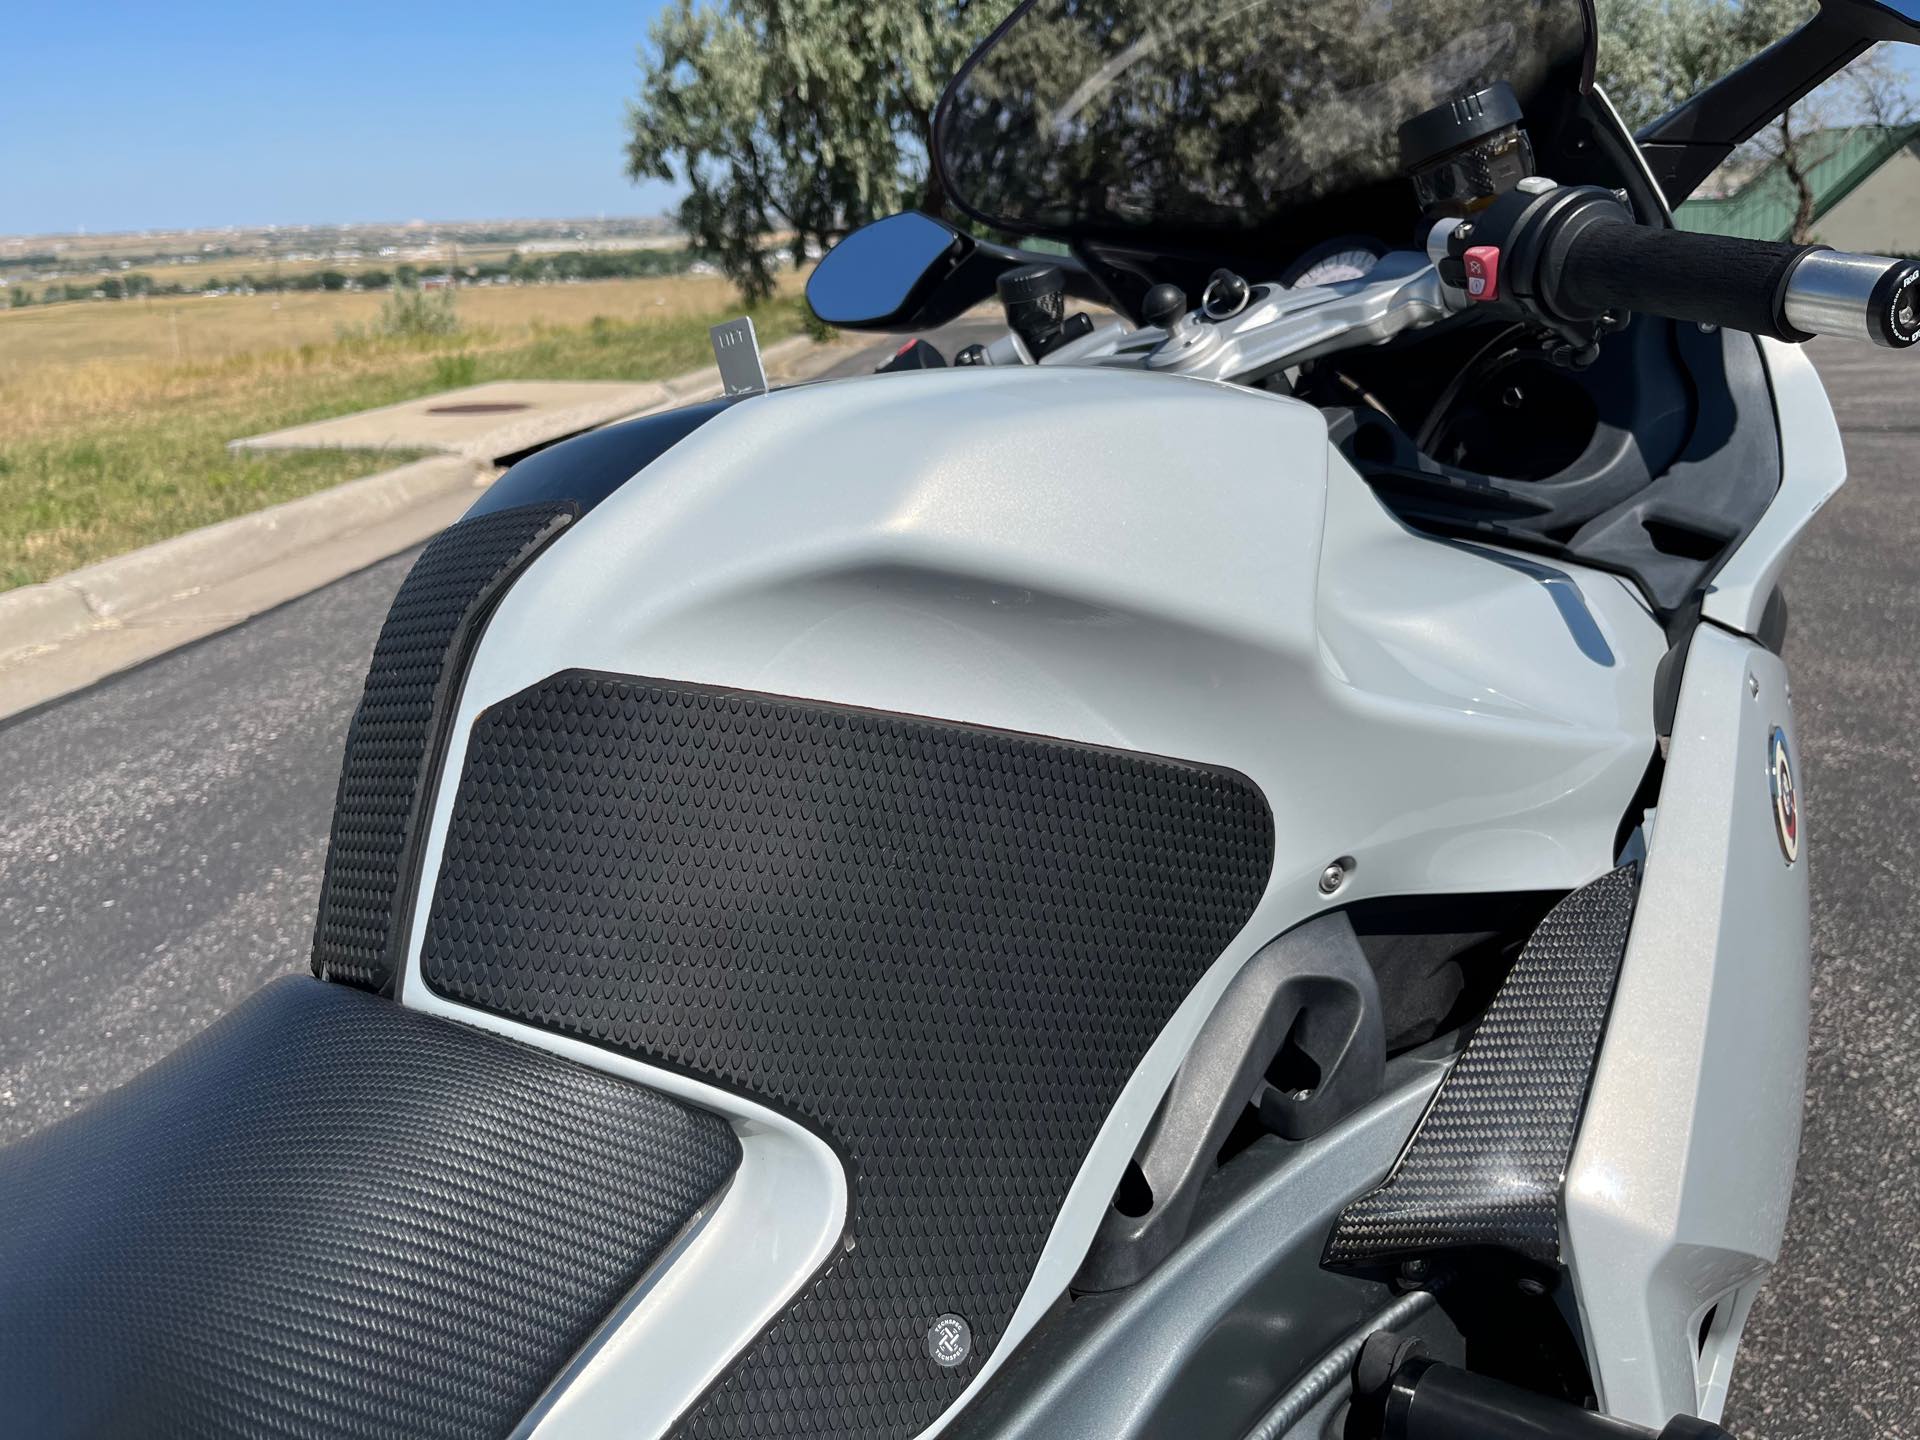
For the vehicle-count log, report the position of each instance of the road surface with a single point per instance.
(161, 837)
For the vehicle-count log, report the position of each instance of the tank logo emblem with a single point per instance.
(1786, 800)
(950, 1341)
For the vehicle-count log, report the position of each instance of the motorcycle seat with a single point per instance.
(329, 1215)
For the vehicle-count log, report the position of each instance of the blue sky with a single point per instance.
(140, 115)
(137, 115)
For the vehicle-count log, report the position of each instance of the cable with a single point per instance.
(1429, 431)
(1337, 1365)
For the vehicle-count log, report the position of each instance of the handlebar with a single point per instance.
(1400, 1394)
(1825, 297)
(1792, 292)
(1576, 253)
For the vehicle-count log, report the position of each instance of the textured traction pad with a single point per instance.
(393, 742)
(1485, 1166)
(944, 948)
(331, 1217)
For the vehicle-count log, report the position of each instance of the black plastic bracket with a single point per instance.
(1307, 1009)
(1688, 143)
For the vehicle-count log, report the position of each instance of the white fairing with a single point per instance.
(1147, 562)
(1677, 1195)
(1813, 468)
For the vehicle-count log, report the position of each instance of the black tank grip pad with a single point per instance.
(944, 947)
(398, 734)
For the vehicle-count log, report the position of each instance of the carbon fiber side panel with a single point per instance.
(329, 1216)
(393, 743)
(945, 948)
(1485, 1166)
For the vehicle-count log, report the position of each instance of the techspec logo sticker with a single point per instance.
(949, 1342)
(1786, 800)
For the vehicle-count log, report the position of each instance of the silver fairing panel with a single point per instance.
(1677, 1194)
(1676, 1197)
(1138, 561)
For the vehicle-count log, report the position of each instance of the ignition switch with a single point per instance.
(1226, 296)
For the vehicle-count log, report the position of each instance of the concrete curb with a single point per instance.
(150, 586)
(37, 617)
(189, 562)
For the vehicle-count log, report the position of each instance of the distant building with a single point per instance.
(1866, 184)
(578, 246)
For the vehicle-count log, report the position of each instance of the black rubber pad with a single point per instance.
(1485, 1166)
(945, 948)
(328, 1216)
(393, 744)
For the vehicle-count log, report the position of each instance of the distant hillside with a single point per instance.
(82, 256)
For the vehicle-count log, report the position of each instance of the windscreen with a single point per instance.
(1190, 116)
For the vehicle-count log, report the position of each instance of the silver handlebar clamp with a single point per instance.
(1278, 328)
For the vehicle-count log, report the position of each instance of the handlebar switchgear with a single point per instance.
(1573, 255)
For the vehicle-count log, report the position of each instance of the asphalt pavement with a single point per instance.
(1828, 1348)
(162, 833)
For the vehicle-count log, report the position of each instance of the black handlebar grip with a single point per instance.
(1423, 1399)
(1709, 279)
(1571, 254)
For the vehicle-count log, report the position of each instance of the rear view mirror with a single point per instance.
(879, 273)
(911, 271)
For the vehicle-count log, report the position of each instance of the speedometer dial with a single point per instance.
(1350, 257)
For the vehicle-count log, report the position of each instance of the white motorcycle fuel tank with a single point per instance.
(1123, 589)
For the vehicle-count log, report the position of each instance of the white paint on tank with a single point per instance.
(1143, 561)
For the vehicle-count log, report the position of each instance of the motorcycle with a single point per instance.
(1224, 863)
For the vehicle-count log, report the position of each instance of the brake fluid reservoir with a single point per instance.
(1463, 154)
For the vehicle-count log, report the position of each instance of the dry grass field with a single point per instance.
(62, 362)
(114, 416)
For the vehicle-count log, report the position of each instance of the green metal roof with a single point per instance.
(1762, 209)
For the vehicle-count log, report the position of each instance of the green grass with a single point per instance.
(80, 492)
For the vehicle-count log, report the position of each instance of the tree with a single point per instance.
(1656, 53)
(804, 116)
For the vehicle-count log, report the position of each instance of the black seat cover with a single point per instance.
(331, 1216)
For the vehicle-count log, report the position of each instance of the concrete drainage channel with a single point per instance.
(63, 635)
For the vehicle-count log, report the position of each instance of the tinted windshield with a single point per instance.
(1198, 115)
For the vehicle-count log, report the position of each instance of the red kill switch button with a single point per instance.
(1483, 272)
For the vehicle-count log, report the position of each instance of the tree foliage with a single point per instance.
(797, 117)
(1656, 53)
(790, 122)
